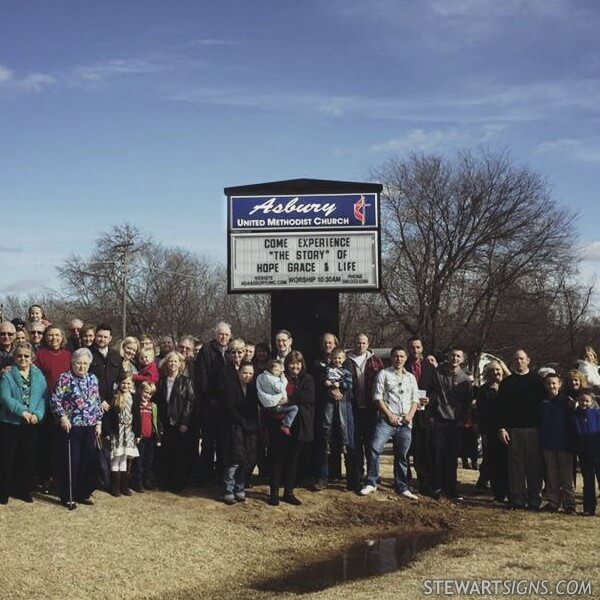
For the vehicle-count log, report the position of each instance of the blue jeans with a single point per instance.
(233, 480)
(401, 437)
(337, 424)
(289, 412)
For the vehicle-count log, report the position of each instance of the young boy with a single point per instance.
(271, 386)
(336, 375)
(556, 442)
(147, 436)
(586, 419)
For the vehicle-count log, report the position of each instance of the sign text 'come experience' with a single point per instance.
(309, 260)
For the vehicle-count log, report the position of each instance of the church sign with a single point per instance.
(304, 241)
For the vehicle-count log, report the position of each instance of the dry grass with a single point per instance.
(158, 545)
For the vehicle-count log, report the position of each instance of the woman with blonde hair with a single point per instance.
(494, 464)
(588, 365)
(175, 400)
(575, 383)
(128, 351)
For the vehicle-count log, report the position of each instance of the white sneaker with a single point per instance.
(368, 489)
(408, 494)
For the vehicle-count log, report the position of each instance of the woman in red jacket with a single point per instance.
(52, 358)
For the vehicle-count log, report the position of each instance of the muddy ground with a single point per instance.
(159, 545)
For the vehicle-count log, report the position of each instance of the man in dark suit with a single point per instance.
(107, 366)
(424, 373)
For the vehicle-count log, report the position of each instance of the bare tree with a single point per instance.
(169, 290)
(458, 234)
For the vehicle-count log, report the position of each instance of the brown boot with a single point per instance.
(125, 483)
(114, 484)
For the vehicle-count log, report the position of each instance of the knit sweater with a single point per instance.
(52, 363)
(519, 401)
(11, 396)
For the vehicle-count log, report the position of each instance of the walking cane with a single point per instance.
(70, 503)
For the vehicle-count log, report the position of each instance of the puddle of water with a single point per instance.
(365, 559)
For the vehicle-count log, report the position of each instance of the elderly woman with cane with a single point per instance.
(75, 404)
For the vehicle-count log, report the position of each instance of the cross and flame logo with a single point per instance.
(360, 207)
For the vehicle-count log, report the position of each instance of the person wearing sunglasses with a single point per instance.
(35, 331)
(74, 340)
(7, 337)
(23, 400)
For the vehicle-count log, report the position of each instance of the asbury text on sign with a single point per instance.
(338, 211)
(262, 262)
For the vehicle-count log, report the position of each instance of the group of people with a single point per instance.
(77, 414)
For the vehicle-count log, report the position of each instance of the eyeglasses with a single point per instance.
(22, 355)
(7, 333)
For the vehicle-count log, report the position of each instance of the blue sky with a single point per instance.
(119, 111)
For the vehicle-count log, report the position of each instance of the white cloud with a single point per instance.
(210, 42)
(5, 74)
(29, 83)
(492, 9)
(585, 150)
(451, 24)
(478, 101)
(419, 140)
(116, 67)
(35, 82)
(22, 285)
(591, 252)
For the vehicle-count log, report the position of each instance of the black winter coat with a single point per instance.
(429, 382)
(303, 427)
(179, 406)
(239, 423)
(209, 363)
(108, 371)
(487, 409)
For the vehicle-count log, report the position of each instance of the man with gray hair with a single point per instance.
(7, 337)
(74, 335)
(211, 359)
